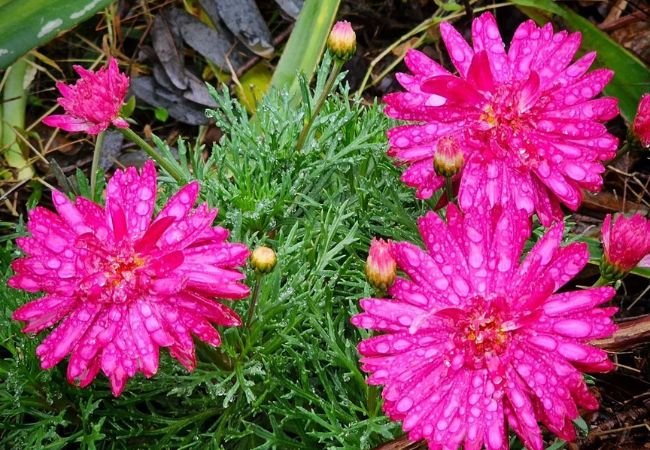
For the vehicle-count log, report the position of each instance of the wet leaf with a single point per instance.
(26, 24)
(62, 180)
(161, 114)
(244, 19)
(127, 109)
(216, 45)
(151, 92)
(168, 46)
(196, 90)
(174, 90)
(291, 7)
(253, 85)
(448, 5)
(111, 149)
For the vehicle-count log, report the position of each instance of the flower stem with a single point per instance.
(215, 355)
(253, 303)
(319, 104)
(449, 187)
(601, 281)
(153, 154)
(99, 143)
(372, 397)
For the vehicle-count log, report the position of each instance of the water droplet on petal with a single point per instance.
(404, 404)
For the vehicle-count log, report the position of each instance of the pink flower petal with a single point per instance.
(84, 361)
(58, 344)
(423, 66)
(459, 50)
(44, 312)
(139, 191)
(486, 37)
(68, 123)
(570, 303)
(69, 213)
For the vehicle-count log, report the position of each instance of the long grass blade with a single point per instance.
(306, 44)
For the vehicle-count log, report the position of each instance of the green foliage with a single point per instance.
(292, 381)
(161, 114)
(25, 24)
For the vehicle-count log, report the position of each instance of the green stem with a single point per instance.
(215, 355)
(253, 303)
(99, 142)
(625, 148)
(321, 101)
(601, 281)
(153, 154)
(449, 187)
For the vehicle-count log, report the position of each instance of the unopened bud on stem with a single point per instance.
(626, 242)
(381, 267)
(342, 41)
(448, 159)
(263, 259)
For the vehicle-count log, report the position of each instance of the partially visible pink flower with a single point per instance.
(381, 268)
(625, 243)
(641, 125)
(123, 283)
(93, 103)
(527, 119)
(474, 341)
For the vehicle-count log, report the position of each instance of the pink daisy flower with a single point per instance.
(527, 120)
(474, 341)
(93, 103)
(123, 284)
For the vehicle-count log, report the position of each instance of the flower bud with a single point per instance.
(381, 267)
(625, 243)
(263, 259)
(448, 159)
(641, 125)
(342, 40)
